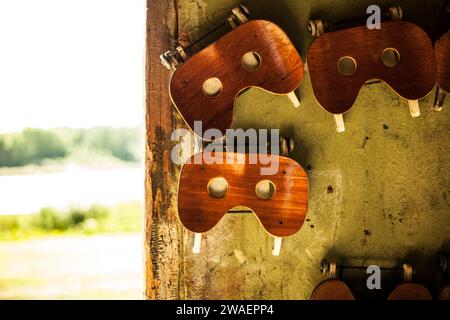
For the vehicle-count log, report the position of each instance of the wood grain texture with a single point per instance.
(410, 291)
(332, 290)
(281, 72)
(413, 78)
(442, 52)
(281, 216)
(163, 258)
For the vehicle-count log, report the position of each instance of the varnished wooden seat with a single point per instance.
(280, 72)
(442, 52)
(332, 290)
(281, 216)
(410, 291)
(412, 78)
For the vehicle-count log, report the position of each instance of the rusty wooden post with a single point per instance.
(163, 234)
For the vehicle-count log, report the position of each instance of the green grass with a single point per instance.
(126, 217)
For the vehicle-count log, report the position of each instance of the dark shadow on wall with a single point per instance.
(426, 264)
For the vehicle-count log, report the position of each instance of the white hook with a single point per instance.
(339, 121)
(414, 108)
(277, 246)
(441, 95)
(197, 243)
(293, 97)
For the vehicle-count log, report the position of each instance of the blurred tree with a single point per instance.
(31, 146)
(122, 143)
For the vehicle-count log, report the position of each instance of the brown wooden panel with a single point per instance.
(163, 257)
(442, 52)
(332, 290)
(281, 72)
(281, 216)
(413, 78)
(410, 291)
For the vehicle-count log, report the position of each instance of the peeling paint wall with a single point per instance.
(379, 193)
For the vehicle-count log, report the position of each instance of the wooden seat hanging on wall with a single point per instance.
(213, 183)
(340, 62)
(442, 53)
(257, 53)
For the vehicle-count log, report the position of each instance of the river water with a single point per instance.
(76, 186)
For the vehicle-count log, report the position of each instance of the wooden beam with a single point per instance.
(163, 233)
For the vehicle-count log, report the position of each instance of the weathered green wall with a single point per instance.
(379, 193)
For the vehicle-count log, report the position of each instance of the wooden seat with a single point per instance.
(442, 52)
(332, 290)
(412, 78)
(410, 291)
(282, 215)
(280, 72)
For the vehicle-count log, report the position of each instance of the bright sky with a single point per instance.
(76, 63)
